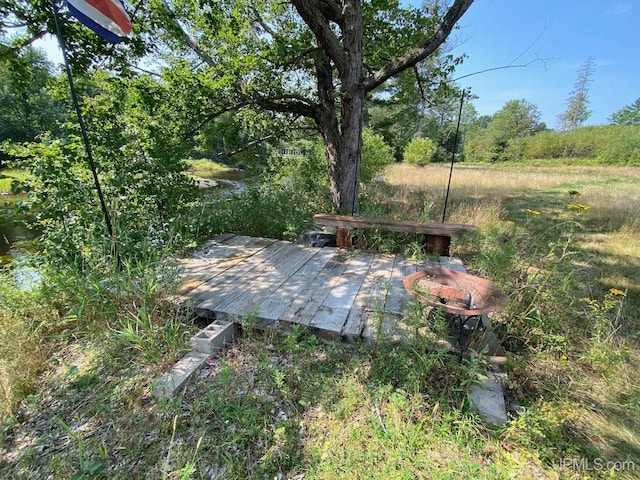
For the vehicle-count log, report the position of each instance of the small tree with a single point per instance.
(376, 155)
(420, 151)
(578, 103)
(28, 109)
(627, 115)
(516, 119)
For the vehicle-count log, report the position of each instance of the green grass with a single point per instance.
(204, 167)
(7, 176)
(274, 404)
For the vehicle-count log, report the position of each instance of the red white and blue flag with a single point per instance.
(107, 18)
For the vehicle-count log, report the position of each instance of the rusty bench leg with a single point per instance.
(436, 245)
(343, 237)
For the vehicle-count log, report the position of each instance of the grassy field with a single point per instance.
(204, 168)
(560, 240)
(7, 176)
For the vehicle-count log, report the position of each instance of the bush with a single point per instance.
(142, 173)
(609, 144)
(420, 151)
(376, 155)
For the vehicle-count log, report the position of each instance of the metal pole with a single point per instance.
(453, 156)
(85, 138)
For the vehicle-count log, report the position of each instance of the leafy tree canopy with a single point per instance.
(627, 115)
(310, 63)
(516, 119)
(28, 109)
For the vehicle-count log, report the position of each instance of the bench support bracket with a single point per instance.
(436, 245)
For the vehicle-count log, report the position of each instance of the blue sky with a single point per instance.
(495, 32)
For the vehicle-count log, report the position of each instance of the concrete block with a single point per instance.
(488, 399)
(317, 239)
(214, 337)
(170, 383)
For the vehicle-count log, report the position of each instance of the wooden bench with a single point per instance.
(437, 236)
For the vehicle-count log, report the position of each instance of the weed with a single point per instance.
(248, 322)
(87, 466)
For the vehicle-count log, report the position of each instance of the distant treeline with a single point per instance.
(607, 144)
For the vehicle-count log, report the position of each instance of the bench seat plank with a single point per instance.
(406, 226)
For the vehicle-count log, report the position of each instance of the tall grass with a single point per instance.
(123, 315)
(562, 242)
(25, 321)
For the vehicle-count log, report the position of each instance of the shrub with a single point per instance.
(142, 173)
(420, 151)
(609, 144)
(376, 155)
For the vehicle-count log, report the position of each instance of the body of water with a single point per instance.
(14, 240)
(232, 180)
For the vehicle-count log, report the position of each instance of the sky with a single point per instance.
(554, 39)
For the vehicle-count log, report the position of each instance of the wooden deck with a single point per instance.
(336, 293)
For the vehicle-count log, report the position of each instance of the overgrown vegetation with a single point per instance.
(515, 136)
(606, 145)
(83, 343)
(287, 404)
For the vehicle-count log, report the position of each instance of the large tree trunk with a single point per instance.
(343, 136)
(343, 53)
(351, 108)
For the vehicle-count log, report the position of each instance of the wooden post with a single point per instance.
(343, 238)
(436, 245)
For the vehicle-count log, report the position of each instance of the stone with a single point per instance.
(317, 239)
(487, 398)
(170, 383)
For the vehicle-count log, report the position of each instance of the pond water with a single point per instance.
(232, 180)
(14, 240)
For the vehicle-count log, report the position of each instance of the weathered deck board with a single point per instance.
(217, 256)
(282, 299)
(306, 304)
(243, 275)
(262, 287)
(371, 297)
(332, 314)
(337, 293)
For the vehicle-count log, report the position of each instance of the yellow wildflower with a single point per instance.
(532, 212)
(577, 206)
(616, 292)
(563, 357)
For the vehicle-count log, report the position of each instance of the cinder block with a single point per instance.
(175, 379)
(214, 337)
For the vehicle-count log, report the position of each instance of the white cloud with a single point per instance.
(619, 8)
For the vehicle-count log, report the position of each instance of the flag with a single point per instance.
(107, 18)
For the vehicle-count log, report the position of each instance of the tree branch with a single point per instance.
(257, 141)
(331, 10)
(286, 104)
(418, 54)
(312, 14)
(250, 144)
(503, 67)
(186, 38)
(8, 52)
(207, 118)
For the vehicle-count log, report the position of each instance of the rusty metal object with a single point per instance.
(455, 292)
